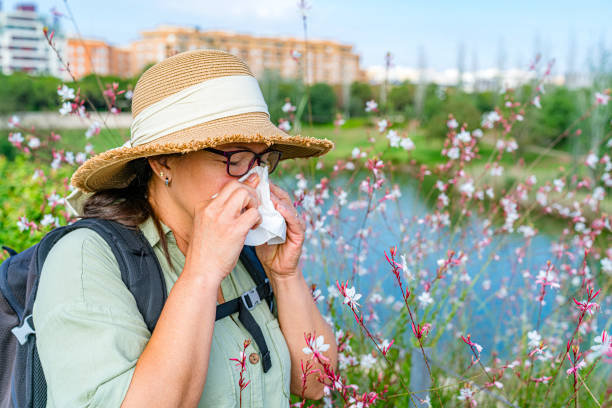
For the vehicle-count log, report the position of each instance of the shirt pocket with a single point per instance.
(221, 381)
(282, 351)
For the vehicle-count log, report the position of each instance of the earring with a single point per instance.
(167, 181)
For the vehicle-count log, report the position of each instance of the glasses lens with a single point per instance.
(239, 163)
(270, 159)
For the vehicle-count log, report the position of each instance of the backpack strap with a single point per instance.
(249, 259)
(248, 300)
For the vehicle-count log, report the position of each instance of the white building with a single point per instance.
(23, 47)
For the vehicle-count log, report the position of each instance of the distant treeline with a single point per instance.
(430, 105)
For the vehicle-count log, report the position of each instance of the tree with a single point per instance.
(401, 97)
(361, 92)
(323, 102)
(463, 108)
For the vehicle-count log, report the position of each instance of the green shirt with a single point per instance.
(90, 333)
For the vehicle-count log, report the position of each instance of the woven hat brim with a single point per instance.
(110, 169)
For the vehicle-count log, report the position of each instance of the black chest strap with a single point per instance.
(243, 306)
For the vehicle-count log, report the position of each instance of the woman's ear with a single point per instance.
(160, 166)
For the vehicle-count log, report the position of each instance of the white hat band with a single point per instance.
(209, 100)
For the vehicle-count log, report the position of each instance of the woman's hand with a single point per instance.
(220, 226)
(281, 260)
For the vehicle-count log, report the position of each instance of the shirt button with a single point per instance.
(254, 358)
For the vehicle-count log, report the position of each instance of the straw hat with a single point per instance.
(192, 100)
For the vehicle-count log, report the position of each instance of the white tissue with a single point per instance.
(273, 228)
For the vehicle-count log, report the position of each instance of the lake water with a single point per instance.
(501, 305)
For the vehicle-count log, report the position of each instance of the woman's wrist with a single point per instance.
(279, 280)
(204, 275)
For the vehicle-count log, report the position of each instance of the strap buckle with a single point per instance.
(250, 298)
(22, 332)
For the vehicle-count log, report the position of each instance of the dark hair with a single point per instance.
(129, 206)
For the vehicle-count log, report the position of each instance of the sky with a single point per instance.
(502, 34)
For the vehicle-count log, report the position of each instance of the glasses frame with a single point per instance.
(256, 157)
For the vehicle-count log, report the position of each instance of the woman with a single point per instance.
(200, 121)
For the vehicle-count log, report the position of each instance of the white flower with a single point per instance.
(284, 125)
(467, 188)
(371, 105)
(443, 199)
(497, 170)
(351, 297)
(477, 133)
(34, 143)
(332, 292)
(54, 200)
(394, 139)
(66, 108)
(526, 230)
(15, 138)
(13, 121)
(453, 153)
(69, 157)
(531, 180)
(355, 153)
(486, 284)
(559, 184)
(128, 94)
(407, 144)
(407, 271)
(288, 107)
(342, 198)
(382, 125)
(318, 345)
(606, 265)
(452, 124)
(536, 102)
(367, 361)
(602, 346)
(534, 339)
(591, 160)
(66, 93)
(93, 129)
(511, 145)
(49, 219)
(80, 158)
(464, 136)
(23, 224)
(489, 119)
(465, 394)
(425, 299)
(601, 98)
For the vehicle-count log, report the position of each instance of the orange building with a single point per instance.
(87, 55)
(327, 61)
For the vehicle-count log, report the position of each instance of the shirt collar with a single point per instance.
(150, 232)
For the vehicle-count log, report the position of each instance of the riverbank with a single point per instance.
(357, 134)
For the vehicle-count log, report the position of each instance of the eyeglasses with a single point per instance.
(239, 162)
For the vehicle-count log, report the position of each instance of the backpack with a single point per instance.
(22, 382)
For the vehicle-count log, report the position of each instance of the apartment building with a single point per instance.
(23, 47)
(87, 56)
(326, 61)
